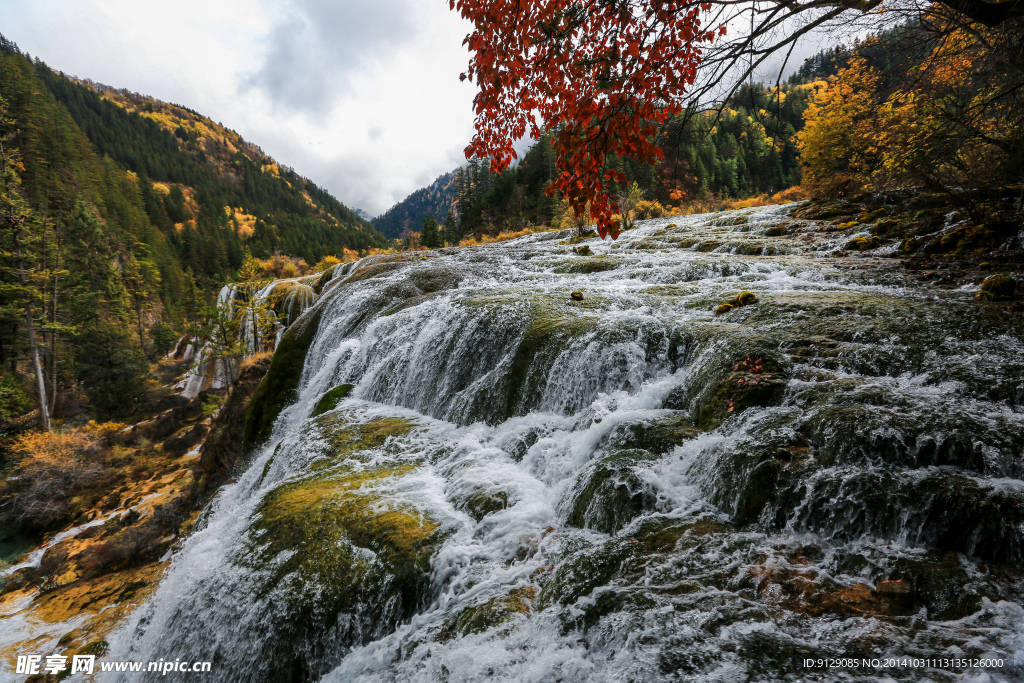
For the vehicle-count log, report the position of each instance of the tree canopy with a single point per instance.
(606, 77)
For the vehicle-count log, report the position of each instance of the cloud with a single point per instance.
(317, 50)
(362, 97)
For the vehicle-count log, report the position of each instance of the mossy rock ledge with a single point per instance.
(330, 400)
(342, 557)
(277, 390)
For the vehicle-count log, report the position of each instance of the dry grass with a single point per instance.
(253, 360)
(501, 237)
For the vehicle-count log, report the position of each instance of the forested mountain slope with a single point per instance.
(208, 190)
(122, 216)
(436, 199)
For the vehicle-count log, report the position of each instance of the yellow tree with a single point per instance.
(837, 144)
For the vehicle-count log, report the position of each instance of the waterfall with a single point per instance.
(287, 299)
(476, 475)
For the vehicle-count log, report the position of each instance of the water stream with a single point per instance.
(516, 485)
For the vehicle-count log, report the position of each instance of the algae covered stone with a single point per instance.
(998, 288)
(340, 551)
(277, 390)
(330, 400)
(740, 300)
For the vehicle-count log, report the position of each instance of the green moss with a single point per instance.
(654, 436)
(576, 239)
(868, 216)
(753, 381)
(862, 243)
(781, 229)
(552, 325)
(998, 288)
(594, 264)
(482, 502)
(494, 612)
(590, 566)
(329, 401)
(740, 300)
(885, 226)
(277, 389)
(346, 438)
(326, 548)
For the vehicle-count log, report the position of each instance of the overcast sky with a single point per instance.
(361, 96)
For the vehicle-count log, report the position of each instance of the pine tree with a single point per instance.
(451, 235)
(22, 234)
(429, 238)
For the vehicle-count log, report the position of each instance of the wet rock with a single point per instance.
(329, 401)
(482, 501)
(591, 264)
(182, 443)
(223, 447)
(935, 508)
(655, 436)
(609, 494)
(277, 389)
(340, 558)
(495, 612)
(740, 300)
(862, 243)
(577, 296)
(998, 288)
(752, 381)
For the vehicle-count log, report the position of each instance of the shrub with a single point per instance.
(53, 466)
(649, 209)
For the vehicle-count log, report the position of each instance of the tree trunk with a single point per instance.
(44, 406)
(142, 338)
(53, 321)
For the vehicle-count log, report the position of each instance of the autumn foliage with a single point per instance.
(602, 76)
(949, 123)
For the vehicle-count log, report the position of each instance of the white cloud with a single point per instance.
(361, 97)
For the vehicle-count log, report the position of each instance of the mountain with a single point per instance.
(437, 200)
(205, 187)
(123, 215)
(363, 214)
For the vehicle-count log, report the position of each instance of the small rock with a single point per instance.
(897, 594)
(997, 288)
(577, 296)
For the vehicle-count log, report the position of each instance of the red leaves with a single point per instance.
(601, 76)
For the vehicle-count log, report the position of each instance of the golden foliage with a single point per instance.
(52, 448)
(245, 224)
(325, 263)
(500, 237)
(944, 124)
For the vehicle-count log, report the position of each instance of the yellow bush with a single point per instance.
(325, 263)
(54, 448)
(649, 209)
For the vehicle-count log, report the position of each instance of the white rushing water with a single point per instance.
(569, 498)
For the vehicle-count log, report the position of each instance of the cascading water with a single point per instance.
(286, 299)
(476, 476)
